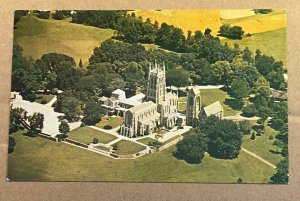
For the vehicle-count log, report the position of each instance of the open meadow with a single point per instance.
(39, 36)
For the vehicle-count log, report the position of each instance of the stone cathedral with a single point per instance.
(160, 109)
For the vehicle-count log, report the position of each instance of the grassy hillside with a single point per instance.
(61, 162)
(213, 19)
(260, 22)
(271, 43)
(39, 36)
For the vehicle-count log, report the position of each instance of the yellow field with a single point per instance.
(185, 19)
(213, 19)
(260, 22)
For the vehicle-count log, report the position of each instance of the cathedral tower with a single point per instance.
(193, 106)
(156, 90)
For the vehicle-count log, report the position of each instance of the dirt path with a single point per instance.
(259, 158)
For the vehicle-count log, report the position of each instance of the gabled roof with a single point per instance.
(213, 108)
(141, 107)
(195, 90)
(134, 100)
(118, 91)
(103, 98)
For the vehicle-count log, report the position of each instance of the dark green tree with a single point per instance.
(282, 174)
(192, 147)
(63, 128)
(225, 137)
(36, 122)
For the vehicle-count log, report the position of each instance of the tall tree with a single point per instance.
(192, 147)
(282, 174)
(240, 88)
(225, 137)
(63, 128)
(36, 122)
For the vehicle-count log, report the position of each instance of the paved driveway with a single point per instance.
(51, 121)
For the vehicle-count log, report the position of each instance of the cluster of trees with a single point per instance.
(17, 115)
(220, 138)
(235, 32)
(101, 18)
(48, 73)
(263, 11)
(133, 30)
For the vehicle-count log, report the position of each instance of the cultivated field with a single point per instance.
(213, 19)
(185, 19)
(260, 22)
(39, 36)
(61, 162)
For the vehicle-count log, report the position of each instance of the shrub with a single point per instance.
(240, 181)
(271, 137)
(82, 125)
(115, 147)
(95, 140)
(58, 15)
(253, 137)
(43, 101)
(107, 127)
(245, 127)
(249, 111)
(44, 14)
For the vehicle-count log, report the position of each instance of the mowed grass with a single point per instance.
(127, 147)
(209, 96)
(262, 145)
(110, 121)
(38, 159)
(45, 97)
(271, 43)
(40, 36)
(86, 135)
(147, 140)
(259, 23)
(182, 104)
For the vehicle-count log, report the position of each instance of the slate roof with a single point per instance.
(142, 106)
(213, 108)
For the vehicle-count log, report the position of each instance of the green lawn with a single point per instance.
(86, 135)
(262, 145)
(128, 147)
(45, 97)
(182, 103)
(147, 140)
(40, 36)
(110, 121)
(171, 139)
(102, 148)
(208, 96)
(272, 43)
(38, 159)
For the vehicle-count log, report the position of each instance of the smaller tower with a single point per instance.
(193, 106)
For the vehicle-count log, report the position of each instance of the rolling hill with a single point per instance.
(40, 36)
